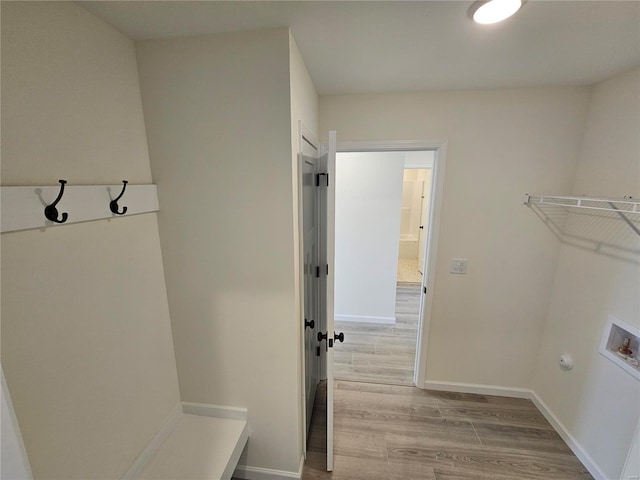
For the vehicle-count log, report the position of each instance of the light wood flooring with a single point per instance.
(380, 353)
(395, 432)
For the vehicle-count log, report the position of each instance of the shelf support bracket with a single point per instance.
(625, 218)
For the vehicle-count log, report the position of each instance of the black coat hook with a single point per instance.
(113, 205)
(51, 212)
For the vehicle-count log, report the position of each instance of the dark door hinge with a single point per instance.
(324, 183)
(318, 351)
(317, 272)
(425, 290)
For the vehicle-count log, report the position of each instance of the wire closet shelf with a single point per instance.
(626, 208)
(626, 205)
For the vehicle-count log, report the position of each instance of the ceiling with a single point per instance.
(393, 46)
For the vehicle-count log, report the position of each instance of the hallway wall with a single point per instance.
(218, 116)
(367, 223)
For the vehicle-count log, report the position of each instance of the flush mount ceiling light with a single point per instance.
(493, 11)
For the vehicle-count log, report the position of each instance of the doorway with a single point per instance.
(320, 440)
(385, 322)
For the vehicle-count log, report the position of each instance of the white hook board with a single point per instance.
(22, 208)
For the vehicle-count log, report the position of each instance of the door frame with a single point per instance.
(439, 147)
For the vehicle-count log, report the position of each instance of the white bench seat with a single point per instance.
(199, 443)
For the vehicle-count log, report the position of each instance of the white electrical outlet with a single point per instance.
(458, 265)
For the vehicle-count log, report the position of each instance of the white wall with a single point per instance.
(368, 208)
(597, 401)
(218, 116)
(14, 462)
(86, 340)
(501, 144)
(304, 106)
(632, 465)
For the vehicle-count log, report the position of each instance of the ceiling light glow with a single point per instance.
(493, 11)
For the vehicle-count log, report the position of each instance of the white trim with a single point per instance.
(206, 410)
(257, 473)
(569, 439)
(431, 261)
(500, 391)
(390, 145)
(238, 448)
(495, 390)
(300, 293)
(330, 286)
(168, 426)
(631, 467)
(364, 319)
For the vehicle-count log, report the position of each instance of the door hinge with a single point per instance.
(318, 271)
(424, 290)
(325, 182)
(318, 351)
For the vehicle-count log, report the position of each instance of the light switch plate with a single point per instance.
(458, 265)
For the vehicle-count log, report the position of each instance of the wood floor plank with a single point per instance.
(397, 390)
(386, 374)
(377, 406)
(361, 445)
(409, 470)
(438, 429)
(351, 468)
(352, 347)
(392, 360)
(522, 416)
(476, 398)
(521, 438)
(473, 460)
(381, 353)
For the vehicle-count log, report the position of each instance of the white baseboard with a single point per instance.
(365, 319)
(154, 444)
(573, 444)
(256, 473)
(478, 389)
(206, 410)
(557, 425)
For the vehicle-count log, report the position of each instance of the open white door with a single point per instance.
(424, 219)
(331, 334)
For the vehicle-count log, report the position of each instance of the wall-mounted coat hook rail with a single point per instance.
(51, 212)
(22, 207)
(113, 204)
